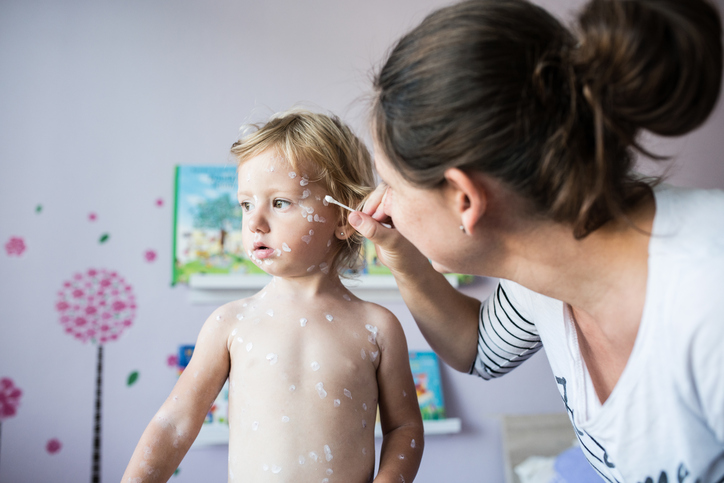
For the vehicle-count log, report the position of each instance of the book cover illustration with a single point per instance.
(207, 223)
(426, 374)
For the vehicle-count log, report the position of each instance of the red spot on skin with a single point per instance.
(150, 255)
(15, 246)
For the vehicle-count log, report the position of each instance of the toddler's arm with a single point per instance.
(175, 426)
(403, 439)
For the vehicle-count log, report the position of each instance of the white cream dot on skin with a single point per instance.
(337, 402)
(324, 268)
(286, 248)
(244, 304)
(364, 424)
(373, 355)
(239, 340)
(325, 480)
(306, 239)
(218, 317)
(364, 450)
(363, 354)
(270, 313)
(347, 393)
(329, 242)
(255, 425)
(412, 444)
(304, 181)
(233, 332)
(329, 317)
(277, 253)
(263, 294)
(314, 365)
(364, 406)
(313, 455)
(301, 460)
(305, 194)
(285, 419)
(402, 479)
(310, 268)
(329, 471)
(302, 321)
(404, 393)
(328, 453)
(265, 467)
(310, 218)
(272, 358)
(249, 346)
(402, 456)
(320, 390)
(346, 297)
(292, 388)
(239, 316)
(276, 469)
(292, 174)
(268, 261)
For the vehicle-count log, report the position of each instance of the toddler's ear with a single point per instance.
(343, 229)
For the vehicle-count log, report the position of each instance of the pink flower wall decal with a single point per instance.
(96, 306)
(172, 361)
(53, 446)
(150, 255)
(15, 246)
(92, 216)
(159, 202)
(9, 398)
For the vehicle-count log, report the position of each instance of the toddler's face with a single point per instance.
(287, 229)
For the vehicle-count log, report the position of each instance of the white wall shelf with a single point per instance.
(219, 433)
(220, 289)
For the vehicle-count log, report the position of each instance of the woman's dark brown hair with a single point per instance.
(501, 87)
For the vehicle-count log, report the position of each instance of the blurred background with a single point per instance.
(99, 100)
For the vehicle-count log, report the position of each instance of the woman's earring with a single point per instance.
(462, 229)
(341, 233)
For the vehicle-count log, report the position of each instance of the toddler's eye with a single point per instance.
(281, 204)
(246, 206)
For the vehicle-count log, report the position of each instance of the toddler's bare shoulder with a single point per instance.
(379, 316)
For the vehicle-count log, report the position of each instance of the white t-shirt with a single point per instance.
(664, 420)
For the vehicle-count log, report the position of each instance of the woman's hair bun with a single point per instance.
(651, 64)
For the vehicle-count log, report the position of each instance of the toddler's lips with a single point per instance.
(263, 252)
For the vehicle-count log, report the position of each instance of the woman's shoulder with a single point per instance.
(688, 223)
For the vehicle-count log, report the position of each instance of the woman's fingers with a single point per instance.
(368, 227)
(374, 205)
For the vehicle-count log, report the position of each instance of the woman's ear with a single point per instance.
(469, 197)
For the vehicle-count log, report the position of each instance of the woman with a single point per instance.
(505, 143)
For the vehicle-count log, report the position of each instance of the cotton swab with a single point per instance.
(329, 199)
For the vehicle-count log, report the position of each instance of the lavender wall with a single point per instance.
(98, 102)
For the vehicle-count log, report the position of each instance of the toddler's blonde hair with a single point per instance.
(324, 148)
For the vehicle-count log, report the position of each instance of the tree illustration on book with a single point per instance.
(96, 306)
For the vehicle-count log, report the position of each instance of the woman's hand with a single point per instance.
(393, 250)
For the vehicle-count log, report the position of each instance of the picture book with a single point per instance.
(207, 223)
(426, 373)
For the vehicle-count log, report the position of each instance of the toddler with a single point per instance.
(307, 361)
